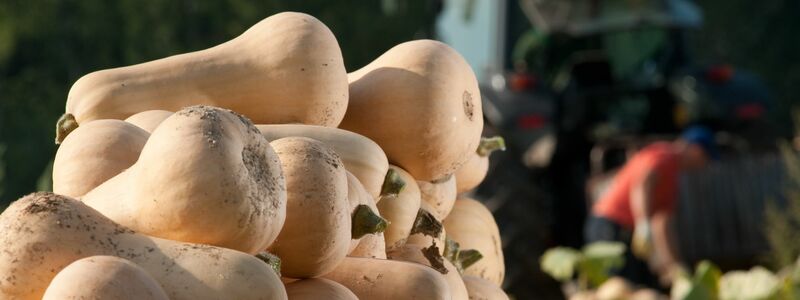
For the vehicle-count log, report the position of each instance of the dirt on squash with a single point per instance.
(214, 253)
(43, 202)
(212, 129)
(469, 105)
(251, 128)
(260, 167)
(311, 151)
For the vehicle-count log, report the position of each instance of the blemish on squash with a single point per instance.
(434, 258)
(469, 106)
(44, 202)
(367, 279)
(257, 166)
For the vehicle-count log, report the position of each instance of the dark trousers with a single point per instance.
(635, 270)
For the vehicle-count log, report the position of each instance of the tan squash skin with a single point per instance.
(289, 61)
(380, 279)
(400, 210)
(149, 119)
(441, 196)
(424, 240)
(42, 233)
(420, 102)
(95, 153)
(206, 175)
(482, 289)
(471, 174)
(360, 155)
(316, 236)
(318, 289)
(104, 277)
(472, 225)
(370, 246)
(415, 254)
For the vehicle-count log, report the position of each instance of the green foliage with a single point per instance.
(599, 259)
(46, 45)
(757, 283)
(560, 262)
(704, 284)
(593, 264)
(782, 222)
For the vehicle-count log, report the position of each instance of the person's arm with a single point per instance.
(665, 245)
(642, 198)
(641, 208)
(654, 239)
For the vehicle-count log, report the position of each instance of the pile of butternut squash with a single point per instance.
(261, 169)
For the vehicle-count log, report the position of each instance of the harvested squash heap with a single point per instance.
(221, 174)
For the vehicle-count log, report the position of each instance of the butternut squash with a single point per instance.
(206, 175)
(430, 257)
(316, 236)
(472, 225)
(371, 246)
(379, 279)
(104, 277)
(95, 153)
(149, 119)
(440, 195)
(420, 102)
(472, 173)
(365, 218)
(288, 68)
(427, 230)
(400, 209)
(43, 233)
(287, 280)
(317, 289)
(482, 289)
(360, 155)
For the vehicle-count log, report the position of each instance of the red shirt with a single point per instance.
(660, 158)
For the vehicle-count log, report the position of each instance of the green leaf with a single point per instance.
(604, 250)
(697, 292)
(795, 272)
(560, 262)
(704, 284)
(788, 288)
(708, 275)
(599, 259)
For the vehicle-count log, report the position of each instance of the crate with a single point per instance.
(721, 208)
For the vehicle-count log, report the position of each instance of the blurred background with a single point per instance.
(575, 87)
